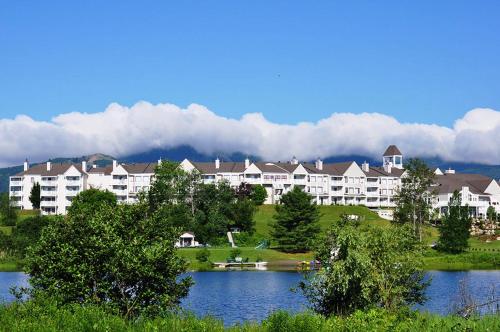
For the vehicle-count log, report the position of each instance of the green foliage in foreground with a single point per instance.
(360, 270)
(47, 316)
(122, 256)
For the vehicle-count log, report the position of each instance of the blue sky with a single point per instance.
(419, 61)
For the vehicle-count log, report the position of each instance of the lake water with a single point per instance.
(237, 296)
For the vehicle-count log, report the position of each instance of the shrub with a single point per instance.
(235, 253)
(203, 255)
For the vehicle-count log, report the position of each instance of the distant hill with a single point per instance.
(181, 152)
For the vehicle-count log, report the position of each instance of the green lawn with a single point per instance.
(221, 254)
(329, 215)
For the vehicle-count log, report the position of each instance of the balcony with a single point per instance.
(48, 193)
(48, 203)
(302, 182)
(49, 182)
(120, 192)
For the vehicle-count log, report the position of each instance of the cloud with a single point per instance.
(121, 131)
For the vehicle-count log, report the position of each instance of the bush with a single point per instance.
(235, 253)
(203, 255)
(118, 255)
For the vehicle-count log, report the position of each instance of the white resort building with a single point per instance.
(345, 183)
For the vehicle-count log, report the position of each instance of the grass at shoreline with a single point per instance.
(47, 316)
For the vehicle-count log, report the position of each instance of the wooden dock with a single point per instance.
(226, 265)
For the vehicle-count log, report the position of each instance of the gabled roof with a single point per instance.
(378, 171)
(273, 167)
(224, 167)
(105, 170)
(336, 168)
(140, 168)
(55, 169)
(476, 183)
(392, 150)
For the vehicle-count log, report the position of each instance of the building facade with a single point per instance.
(345, 183)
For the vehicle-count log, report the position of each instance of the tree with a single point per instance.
(491, 214)
(365, 268)
(454, 231)
(26, 233)
(35, 196)
(8, 213)
(259, 194)
(413, 199)
(295, 225)
(90, 200)
(242, 213)
(243, 191)
(174, 190)
(121, 256)
(213, 208)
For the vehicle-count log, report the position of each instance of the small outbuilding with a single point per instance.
(187, 240)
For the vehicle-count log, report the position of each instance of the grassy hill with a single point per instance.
(329, 215)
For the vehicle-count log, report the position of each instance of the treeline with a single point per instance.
(208, 210)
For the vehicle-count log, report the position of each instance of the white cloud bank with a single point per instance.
(120, 131)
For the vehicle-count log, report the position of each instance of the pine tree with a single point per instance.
(295, 225)
(454, 230)
(35, 196)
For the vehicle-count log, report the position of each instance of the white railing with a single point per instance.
(48, 203)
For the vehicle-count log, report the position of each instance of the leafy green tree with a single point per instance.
(454, 231)
(8, 213)
(259, 194)
(27, 232)
(35, 196)
(295, 225)
(365, 268)
(90, 200)
(121, 256)
(174, 191)
(213, 211)
(491, 214)
(413, 199)
(242, 215)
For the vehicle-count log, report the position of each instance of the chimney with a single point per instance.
(365, 167)
(49, 166)
(294, 161)
(449, 171)
(319, 164)
(247, 162)
(26, 165)
(84, 166)
(114, 164)
(217, 163)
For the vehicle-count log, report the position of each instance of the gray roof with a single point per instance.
(392, 150)
(55, 169)
(448, 183)
(378, 171)
(224, 167)
(138, 168)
